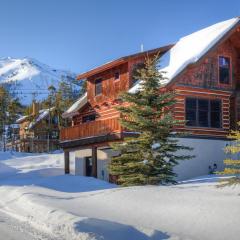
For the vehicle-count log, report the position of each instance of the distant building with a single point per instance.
(38, 132)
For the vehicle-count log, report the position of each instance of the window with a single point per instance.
(191, 108)
(54, 135)
(117, 75)
(89, 118)
(54, 120)
(203, 113)
(215, 114)
(203, 110)
(224, 70)
(98, 87)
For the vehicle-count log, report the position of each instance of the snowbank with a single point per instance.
(74, 207)
(5, 170)
(25, 162)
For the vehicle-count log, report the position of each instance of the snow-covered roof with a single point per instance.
(76, 106)
(191, 48)
(187, 50)
(21, 119)
(42, 114)
(14, 125)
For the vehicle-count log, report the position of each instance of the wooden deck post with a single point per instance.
(94, 161)
(66, 162)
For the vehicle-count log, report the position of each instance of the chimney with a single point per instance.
(35, 108)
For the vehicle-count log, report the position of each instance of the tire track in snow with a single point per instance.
(12, 229)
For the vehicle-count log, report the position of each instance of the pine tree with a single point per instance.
(62, 98)
(150, 157)
(232, 165)
(10, 108)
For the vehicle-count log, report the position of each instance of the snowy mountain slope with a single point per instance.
(29, 78)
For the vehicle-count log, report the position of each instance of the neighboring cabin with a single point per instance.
(38, 132)
(203, 69)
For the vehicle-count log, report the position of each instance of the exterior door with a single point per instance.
(89, 165)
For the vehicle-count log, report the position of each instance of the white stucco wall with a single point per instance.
(80, 162)
(72, 162)
(104, 156)
(102, 164)
(206, 151)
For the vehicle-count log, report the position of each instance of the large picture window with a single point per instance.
(224, 70)
(98, 86)
(203, 113)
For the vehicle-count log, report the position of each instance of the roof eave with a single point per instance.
(121, 61)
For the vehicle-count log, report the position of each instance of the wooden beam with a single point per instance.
(94, 161)
(67, 162)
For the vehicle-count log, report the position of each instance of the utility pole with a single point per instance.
(4, 127)
(3, 137)
(48, 139)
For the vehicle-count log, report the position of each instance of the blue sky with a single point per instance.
(78, 35)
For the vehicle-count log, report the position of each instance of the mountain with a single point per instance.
(28, 78)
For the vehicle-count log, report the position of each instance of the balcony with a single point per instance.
(91, 129)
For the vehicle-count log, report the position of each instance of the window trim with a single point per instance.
(209, 113)
(95, 87)
(230, 70)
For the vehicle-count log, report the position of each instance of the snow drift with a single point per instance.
(75, 207)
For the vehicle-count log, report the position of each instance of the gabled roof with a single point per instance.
(191, 48)
(186, 51)
(22, 119)
(42, 115)
(73, 110)
(122, 60)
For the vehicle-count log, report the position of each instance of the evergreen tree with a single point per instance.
(232, 165)
(150, 157)
(10, 108)
(62, 98)
(83, 88)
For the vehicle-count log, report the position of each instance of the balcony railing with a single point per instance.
(91, 129)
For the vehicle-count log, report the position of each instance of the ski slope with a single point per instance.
(28, 78)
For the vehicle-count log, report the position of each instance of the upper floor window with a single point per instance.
(88, 118)
(98, 86)
(203, 113)
(117, 75)
(224, 70)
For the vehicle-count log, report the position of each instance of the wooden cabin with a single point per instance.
(204, 70)
(38, 132)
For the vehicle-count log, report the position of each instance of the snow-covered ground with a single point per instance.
(35, 191)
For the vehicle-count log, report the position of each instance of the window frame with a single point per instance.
(209, 113)
(230, 70)
(96, 85)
